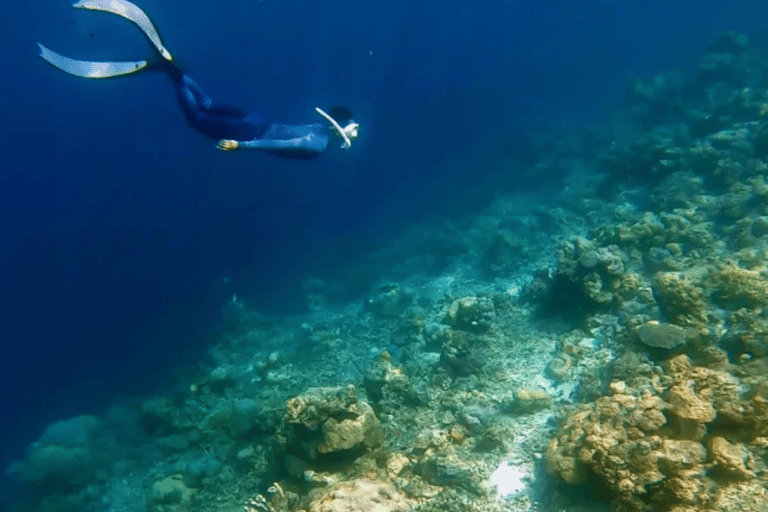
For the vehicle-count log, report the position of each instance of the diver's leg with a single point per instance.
(204, 101)
(191, 106)
(207, 104)
(210, 120)
(194, 101)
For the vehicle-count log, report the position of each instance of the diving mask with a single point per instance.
(349, 132)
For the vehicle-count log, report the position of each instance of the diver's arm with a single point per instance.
(307, 145)
(265, 144)
(306, 141)
(300, 147)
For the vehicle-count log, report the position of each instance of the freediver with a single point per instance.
(232, 127)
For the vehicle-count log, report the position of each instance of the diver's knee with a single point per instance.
(189, 98)
(203, 100)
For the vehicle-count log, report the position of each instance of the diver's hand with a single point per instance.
(227, 145)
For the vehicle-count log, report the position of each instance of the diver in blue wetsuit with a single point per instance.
(232, 127)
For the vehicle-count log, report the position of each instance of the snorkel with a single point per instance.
(349, 132)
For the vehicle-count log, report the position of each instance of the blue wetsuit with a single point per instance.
(250, 129)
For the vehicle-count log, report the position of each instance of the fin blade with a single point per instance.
(90, 69)
(132, 12)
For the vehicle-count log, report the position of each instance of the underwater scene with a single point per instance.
(405, 257)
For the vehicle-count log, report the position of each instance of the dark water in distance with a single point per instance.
(119, 222)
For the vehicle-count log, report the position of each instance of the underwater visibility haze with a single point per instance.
(551, 208)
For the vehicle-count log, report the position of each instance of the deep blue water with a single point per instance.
(119, 222)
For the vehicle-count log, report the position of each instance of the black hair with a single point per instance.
(342, 115)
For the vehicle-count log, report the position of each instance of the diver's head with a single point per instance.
(342, 115)
(343, 124)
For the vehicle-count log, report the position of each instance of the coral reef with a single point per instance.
(361, 495)
(600, 346)
(675, 443)
(323, 422)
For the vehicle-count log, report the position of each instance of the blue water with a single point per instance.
(119, 223)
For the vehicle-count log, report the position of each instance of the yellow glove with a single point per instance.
(227, 145)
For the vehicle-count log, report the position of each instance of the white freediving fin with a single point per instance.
(90, 69)
(131, 12)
